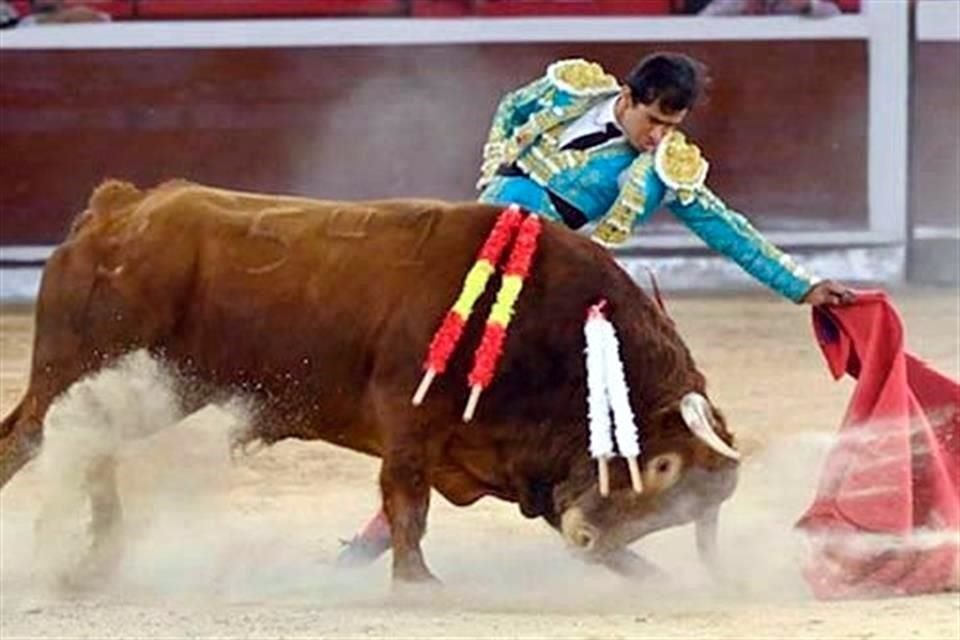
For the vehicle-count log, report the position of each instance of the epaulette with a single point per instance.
(681, 166)
(580, 77)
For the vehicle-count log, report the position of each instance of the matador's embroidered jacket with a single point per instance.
(614, 185)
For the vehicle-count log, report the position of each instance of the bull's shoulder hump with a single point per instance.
(112, 194)
(110, 203)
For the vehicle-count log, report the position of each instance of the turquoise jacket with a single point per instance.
(613, 185)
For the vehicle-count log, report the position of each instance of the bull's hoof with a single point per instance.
(76, 551)
(420, 587)
(410, 569)
(78, 566)
(361, 552)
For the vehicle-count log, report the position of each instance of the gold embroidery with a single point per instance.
(610, 234)
(534, 165)
(543, 160)
(580, 77)
(681, 166)
(499, 143)
(617, 225)
(506, 149)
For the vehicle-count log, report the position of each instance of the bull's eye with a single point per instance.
(663, 471)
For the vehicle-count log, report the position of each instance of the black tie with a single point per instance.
(595, 138)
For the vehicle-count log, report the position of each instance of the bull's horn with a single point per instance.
(697, 414)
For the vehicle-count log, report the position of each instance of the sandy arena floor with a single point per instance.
(244, 549)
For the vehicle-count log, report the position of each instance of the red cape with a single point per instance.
(886, 518)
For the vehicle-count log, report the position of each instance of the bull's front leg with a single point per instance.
(706, 533)
(406, 499)
(628, 564)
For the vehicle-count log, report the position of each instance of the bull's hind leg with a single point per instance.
(106, 514)
(84, 431)
(63, 520)
(20, 435)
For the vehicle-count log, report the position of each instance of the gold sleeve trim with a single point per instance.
(737, 221)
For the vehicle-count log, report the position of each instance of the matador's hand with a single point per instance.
(829, 292)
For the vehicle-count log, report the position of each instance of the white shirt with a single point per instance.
(594, 120)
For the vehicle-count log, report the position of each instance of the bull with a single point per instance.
(320, 312)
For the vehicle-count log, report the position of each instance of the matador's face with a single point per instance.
(645, 125)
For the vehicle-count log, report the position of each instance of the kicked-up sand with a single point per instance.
(245, 547)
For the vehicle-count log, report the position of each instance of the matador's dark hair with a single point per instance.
(674, 79)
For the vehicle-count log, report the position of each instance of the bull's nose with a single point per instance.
(584, 539)
(577, 531)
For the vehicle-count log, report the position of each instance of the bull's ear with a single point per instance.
(667, 423)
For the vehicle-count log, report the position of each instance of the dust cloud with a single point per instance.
(200, 521)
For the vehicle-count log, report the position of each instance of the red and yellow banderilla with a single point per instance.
(445, 339)
(488, 353)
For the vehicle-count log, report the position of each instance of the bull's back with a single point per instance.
(202, 247)
(327, 270)
(314, 284)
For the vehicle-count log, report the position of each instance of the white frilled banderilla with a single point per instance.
(607, 393)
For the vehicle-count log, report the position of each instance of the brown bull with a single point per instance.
(320, 314)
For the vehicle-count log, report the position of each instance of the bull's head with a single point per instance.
(689, 468)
